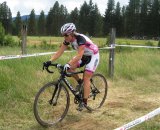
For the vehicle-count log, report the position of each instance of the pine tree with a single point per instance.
(123, 33)
(74, 16)
(49, 21)
(83, 18)
(41, 24)
(91, 18)
(17, 24)
(155, 28)
(131, 18)
(109, 17)
(118, 20)
(144, 18)
(98, 22)
(32, 24)
(6, 17)
(55, 22)
(63, 17)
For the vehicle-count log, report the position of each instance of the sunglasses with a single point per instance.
(65, 35)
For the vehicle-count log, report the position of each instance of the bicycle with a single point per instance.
(52, 101)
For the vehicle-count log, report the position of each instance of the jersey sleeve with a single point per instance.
(81, 40)
(66, 43)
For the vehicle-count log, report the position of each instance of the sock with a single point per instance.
(85, 100)
(80, 81)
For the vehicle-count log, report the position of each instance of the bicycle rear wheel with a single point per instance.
(98, 94)
(48, 112)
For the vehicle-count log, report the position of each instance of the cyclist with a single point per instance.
(87, 54)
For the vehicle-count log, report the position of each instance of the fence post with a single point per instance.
(24, 39)
(111, 54)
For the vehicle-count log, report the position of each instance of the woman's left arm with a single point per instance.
(79, 55)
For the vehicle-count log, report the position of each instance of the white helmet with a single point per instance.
(68, 28)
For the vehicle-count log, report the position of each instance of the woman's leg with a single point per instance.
(86, 78)
(73, 69)
(89, 70)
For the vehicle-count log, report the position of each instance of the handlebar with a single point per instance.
(62, 71)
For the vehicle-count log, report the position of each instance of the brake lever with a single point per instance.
(49, 70)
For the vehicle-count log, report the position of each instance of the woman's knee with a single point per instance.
(87, 75)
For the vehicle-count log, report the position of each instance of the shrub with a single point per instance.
(127, 49)
(45, 45)
(159, 43)
(2, 35)
(6, 40)
(149, 43)
(108, 40)
(9, 41)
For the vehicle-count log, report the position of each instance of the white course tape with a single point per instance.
(37, 54)
(139, 120)
(104, 48)
(48, 53)
(27, 55)
(137, 46)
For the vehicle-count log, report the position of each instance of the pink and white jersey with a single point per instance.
(90, 47)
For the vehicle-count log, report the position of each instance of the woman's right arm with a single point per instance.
(59, 52)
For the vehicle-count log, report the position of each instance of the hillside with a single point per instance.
(24, 17)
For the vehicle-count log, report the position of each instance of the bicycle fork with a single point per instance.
(55, 95)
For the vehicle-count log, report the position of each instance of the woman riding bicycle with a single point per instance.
(87, 54)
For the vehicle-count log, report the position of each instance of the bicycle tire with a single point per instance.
(99, 87)
(47, 114)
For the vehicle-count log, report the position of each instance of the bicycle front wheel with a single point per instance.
(98, 93)
(51, 104)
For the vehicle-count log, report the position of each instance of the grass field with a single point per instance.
(48, 44)
(133, 92)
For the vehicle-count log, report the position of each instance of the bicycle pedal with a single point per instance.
(81, 106)
(76, 101)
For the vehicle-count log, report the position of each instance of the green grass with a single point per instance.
(133, 93)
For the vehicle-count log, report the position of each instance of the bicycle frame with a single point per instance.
(62, 79)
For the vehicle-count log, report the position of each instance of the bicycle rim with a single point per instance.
(98, 92)
(48, 114)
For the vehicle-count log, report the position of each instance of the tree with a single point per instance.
(109, 17)
(32, 23)
(56, 18)
(17, 24)
(155, 17)
(49, 21)
(41, 24)
(74, 16)
(63, 17)
(96, 22)
(123, 33)
(133, 17)
(83, 18)
(144, 18)
(118, 20)
(6, 17)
